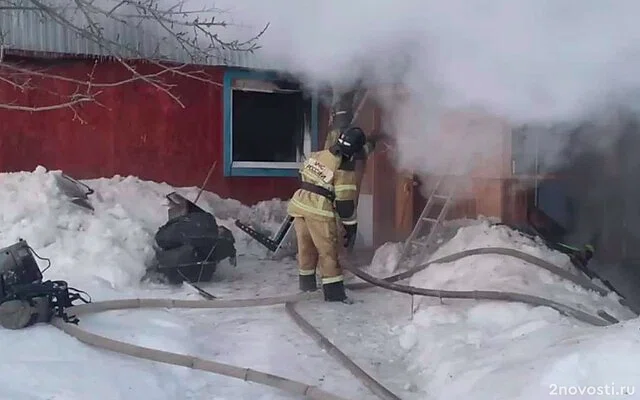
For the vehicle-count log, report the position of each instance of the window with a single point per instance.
(526, 158)
(270, 124)
(535, 151)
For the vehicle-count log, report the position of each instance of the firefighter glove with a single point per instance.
(350, 235)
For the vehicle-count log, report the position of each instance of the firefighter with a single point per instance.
(327, 194)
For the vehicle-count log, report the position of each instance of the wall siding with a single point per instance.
(136, 129)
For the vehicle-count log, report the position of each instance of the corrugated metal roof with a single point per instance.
(31, 31)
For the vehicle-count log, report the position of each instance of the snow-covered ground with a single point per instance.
(420, 349)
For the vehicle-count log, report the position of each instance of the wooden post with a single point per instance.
(384, 178)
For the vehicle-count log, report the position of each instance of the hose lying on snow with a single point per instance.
(218, 368)
(579, 280)
(504, 251)
(246, 374)
(292, 386)
(124, 304)
(479, 295)
(334, 351)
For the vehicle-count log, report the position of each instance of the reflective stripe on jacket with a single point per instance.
(327, 170)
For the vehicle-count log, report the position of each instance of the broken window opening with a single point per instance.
(270, 124)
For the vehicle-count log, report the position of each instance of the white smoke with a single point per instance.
(494, 63)
(516, 60)
(468, 70)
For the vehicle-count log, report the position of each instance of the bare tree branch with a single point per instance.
(171, 39)
(69, 104)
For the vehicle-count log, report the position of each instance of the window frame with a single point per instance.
(257, 169)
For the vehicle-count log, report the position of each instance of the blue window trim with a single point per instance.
(229, 169)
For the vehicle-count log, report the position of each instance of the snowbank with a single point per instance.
(495, 350)
(512, 351)
(112, 246)
(496, 272)
(485, 234)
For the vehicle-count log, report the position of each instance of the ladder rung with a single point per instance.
(428, 219)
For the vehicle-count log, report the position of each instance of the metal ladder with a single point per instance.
(436, 196)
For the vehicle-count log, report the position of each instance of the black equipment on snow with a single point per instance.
(78, 192)
(260, 237)
(24, 298)
(272, 244)
(191, 244)
(17, 267)
(351, 141)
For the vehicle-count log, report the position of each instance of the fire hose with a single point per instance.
(292, 386)
(579, 280)
(504, 251)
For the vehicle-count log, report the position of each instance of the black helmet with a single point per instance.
(351, 141)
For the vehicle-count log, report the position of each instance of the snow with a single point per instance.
(420, 348)
(495, 350)
(496, 272)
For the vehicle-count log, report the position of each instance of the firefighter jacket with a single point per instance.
(328, 186)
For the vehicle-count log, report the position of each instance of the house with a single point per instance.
(168, 125)
(251, 118)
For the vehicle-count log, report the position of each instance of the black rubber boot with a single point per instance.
(335, 292)
(308, 283)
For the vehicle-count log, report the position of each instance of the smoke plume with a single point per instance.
(562, 74)
(494, 63)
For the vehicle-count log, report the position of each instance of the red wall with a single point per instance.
(136, 129)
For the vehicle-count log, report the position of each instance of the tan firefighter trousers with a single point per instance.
(318, 247)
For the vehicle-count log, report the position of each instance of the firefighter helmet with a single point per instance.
(351, 141)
